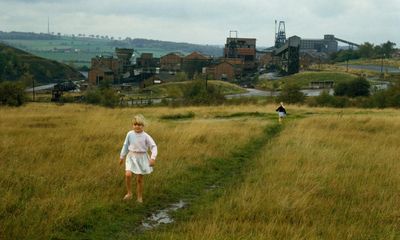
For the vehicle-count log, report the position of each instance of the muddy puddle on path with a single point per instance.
(162, 216)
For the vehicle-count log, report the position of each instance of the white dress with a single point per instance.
(135, 149)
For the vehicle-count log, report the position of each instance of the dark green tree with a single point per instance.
(359, 87)
(109, 98)
(12, 93)
(378, 51)
(366, 50)
(198, 93)
(341, 89)
(388, 48)
(355, 88)
(291, 94)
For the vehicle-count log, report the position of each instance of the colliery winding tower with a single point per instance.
(280, 35)
(241, 50)
(124, 54)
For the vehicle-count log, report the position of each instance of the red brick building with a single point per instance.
(226, 70)
(104, 68)
(194, 63)
(171, 62)
(147, 61)
(265, 59)
(98, 75)
(195, 56)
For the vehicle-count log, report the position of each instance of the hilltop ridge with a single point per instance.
(79, 49)
(14, 63)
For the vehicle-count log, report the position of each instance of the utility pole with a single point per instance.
(206, 81)
(319, 63)
(33, 89)
(382, 64)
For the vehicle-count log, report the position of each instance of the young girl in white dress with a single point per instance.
(137, 161)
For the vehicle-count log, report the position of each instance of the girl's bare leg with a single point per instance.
(128, 182)
(139, 187)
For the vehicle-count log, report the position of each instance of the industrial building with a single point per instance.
(171, 62)
(194, 63)
(104, 68)
(224, 71)
(124, 55)
(110, 68)
(147, 62)
(242, 48)
(329, 44)
(239, 58)
(288, 55)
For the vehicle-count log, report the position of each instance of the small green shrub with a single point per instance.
(93, 96)
(178, 116)
(197, 93)
(102, 96)
(291, 94)
(355, 88)
(109, 98)
(242, 114)
(12, 94)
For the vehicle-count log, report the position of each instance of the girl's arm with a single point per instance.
(125, 146)
(153, 147)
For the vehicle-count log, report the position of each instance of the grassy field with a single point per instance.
(333, 176)
(177, 89)
(63, 43)
(369, 74)
(60, 173)
(303, 79)
(80, 51)
(323, 174)
(392, 62)
(63, 49)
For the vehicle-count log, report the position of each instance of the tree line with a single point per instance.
(367, 51)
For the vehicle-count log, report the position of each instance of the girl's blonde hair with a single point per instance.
(139, 119)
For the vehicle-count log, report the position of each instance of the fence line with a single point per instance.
(139, 101)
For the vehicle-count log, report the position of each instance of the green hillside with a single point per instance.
(78, 50)
(177, 89)
(14, 63)
(390, 62)
(303, 79)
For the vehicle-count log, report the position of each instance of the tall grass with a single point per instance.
(303, 79)
(178, 89)
(331, 176)
(60, 176)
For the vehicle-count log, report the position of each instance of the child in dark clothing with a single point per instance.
(281, 112)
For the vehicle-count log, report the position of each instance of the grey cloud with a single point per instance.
(208, 20)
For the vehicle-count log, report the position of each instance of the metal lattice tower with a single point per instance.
(280, 36)
(232, 44)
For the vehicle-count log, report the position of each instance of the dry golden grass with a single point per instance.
(59, 162)
(329, 176)
(343, 68)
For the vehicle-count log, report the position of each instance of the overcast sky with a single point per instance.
(208, 21)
